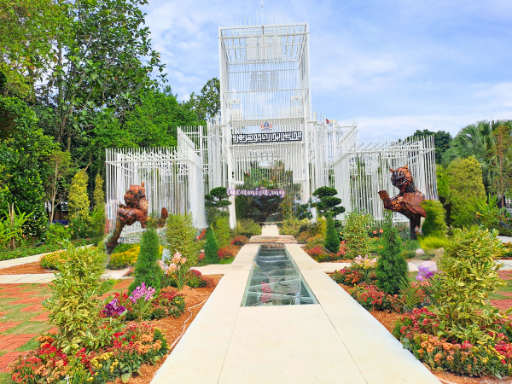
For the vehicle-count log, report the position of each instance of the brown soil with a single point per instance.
(388, 321)
(172, 327)
(25, 269)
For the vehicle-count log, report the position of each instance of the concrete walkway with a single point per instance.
(335, 341)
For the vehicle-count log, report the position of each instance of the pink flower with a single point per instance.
(176, 258)
(183, 260)
(380, 230)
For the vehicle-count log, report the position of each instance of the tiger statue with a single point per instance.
(408, 201)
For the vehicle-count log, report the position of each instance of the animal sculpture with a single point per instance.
(134, 209)
(408, 201)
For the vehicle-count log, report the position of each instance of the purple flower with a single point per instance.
(142, 292)
(424, 273)
(113, 309)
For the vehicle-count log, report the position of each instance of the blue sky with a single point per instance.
(393, 65)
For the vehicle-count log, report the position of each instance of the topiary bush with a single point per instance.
(211, 248)
(146, 268)
(465, 189)
(328, 203)
(181, 237)
(392, 268)
(332, 241)
(356, 235)
(79, 216)
(435, 222)
(431, 242)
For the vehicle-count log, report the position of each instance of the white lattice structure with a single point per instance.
(173, 179)
(361, 169)
(264, 79)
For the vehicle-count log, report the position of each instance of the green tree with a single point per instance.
(465, 189)
(78, 197)
(211, 248)
(25, 154)
(207, 103)
(392, 268)
(442, 141)
(60, 162)
(332, 240)
(96, 67)
(216, 203)
(28, 31)
(98, 215)
(328, 202)
(500, 162)
(146, 268)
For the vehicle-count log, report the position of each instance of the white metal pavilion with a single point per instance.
(266, 119)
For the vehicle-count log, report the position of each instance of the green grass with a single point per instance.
(28, 327)
(5, 378)
(29, 346)
(227, 261)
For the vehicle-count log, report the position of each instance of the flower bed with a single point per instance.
(127, 351)
(417, 332)
(31, 251)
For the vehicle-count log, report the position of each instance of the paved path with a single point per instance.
(335, 341)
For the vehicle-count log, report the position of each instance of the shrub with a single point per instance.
(120, 359)
(74, 307)
(290, 227)
(372, 298)
(356, 235)
(53, 260)
(435, 222)
(316, 252)
(465, 188)
(417, 332)
(239, 240)
(128, 258)
(392, 268)
(57, 233)
(227, 252)
(31, 250)
(216, 203)
(146, 268)
(197, 280)
(469, 276)
(351, 276)
(431, 242)
(222, 231)
(332, 241)
(247, 228)
(211, 248)
(181, 236)
(315, 241)
(303, 237)
(79, 216)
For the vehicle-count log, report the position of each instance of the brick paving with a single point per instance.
(29, 300)
(32, 308)
(505, 275)
(42, 317)
(8, 358)
(12, 342)
(10, 324)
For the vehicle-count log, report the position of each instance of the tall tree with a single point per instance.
(207, 103)
(442, 141)
(99, 65)
(500, 162)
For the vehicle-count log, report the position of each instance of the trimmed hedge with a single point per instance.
(32, 251)
(435, 223)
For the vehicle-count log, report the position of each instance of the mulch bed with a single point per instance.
(25, 269)
(388, 319)
(173, 327)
